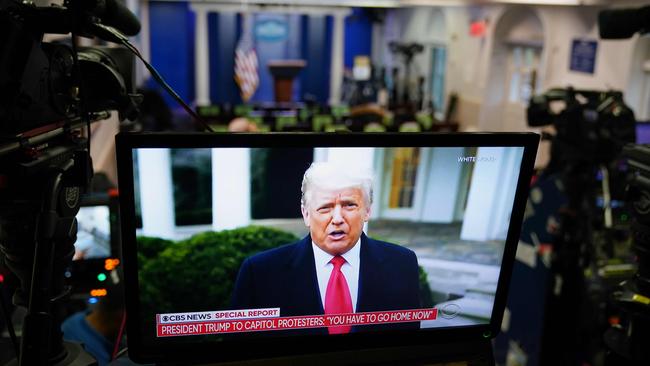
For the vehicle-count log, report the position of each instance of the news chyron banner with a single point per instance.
(254, 320)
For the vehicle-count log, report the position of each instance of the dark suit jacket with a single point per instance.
(285, 277)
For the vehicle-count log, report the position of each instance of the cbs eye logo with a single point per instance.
(165, 318)
(449, 311)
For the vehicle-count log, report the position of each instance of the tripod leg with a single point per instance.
(38, 326)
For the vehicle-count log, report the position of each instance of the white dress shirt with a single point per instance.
(350, 270)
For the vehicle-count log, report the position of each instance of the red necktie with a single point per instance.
(337, 297)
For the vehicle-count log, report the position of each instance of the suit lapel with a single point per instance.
(302, 273)
(370, 281)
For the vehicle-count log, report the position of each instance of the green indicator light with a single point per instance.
(101, 277)
(623, 217)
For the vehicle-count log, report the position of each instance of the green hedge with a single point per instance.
(198, 274)
(426, 296)
(149, 248)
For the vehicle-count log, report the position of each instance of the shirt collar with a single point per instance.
(322, 258)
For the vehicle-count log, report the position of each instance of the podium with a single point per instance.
(284, 72)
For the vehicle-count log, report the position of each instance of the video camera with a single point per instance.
(628, 341)
(592, 126)
(591, 129)
(40, 83)
(50, 92)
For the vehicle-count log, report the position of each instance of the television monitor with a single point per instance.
(93, 233)
(98, 240)
(252, 246)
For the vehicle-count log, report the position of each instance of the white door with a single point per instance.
(404, 176)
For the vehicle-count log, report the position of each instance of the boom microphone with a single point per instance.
(623, 23)
(120, 17)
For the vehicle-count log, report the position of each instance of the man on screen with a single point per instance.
(336, 269)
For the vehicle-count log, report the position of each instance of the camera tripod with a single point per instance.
(38, 228)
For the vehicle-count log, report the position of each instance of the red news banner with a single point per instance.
(254, 320)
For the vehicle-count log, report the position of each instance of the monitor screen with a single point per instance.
(93, 233)
(97, 244)
(250, 240)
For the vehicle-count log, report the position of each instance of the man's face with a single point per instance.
(335, 218)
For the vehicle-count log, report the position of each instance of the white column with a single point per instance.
(491, 194)
(442, 185)
(133, 6)
(352, 157)
(320, 154)
(201, 57)
(336, 67)
(503, 209)
(142, 74)
(231, 188)
(156, 193)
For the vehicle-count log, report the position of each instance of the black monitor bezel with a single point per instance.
(239, 349)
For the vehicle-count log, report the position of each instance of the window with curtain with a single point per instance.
(192, 178)
(405, 161)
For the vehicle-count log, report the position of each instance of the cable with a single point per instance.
(118, 340)
(114, 35)
(122, 351)
(164, 84)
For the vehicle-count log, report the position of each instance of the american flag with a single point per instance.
(246, 63)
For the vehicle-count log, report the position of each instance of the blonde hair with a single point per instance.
(330, 175)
